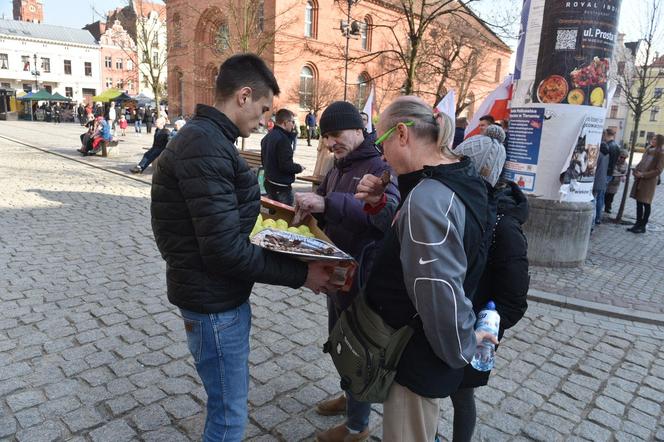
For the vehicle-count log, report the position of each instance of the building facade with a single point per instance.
(303, 43)
(28, 10)
(35, 56)
(652, 121)
(118, 55)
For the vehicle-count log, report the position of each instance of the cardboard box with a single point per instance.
(344, 271)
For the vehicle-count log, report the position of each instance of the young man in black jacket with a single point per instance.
(277, 157)
(205, 201)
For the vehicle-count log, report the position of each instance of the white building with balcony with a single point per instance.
(59, 59)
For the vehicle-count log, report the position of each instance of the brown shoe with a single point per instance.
(332, 407)
(340, 433)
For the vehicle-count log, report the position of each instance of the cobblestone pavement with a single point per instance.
(91, 350)
(622, 269)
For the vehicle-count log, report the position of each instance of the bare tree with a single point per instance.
(323, 94)
(148, 53)
(638, 80)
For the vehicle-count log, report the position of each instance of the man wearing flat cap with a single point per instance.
(354, 227)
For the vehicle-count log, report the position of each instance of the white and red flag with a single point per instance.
(496, 105)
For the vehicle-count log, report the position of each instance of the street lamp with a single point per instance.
(36, 73)
(348, 29)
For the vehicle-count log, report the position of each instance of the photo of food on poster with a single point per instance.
(575, 48)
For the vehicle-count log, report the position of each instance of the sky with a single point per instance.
(78, 13)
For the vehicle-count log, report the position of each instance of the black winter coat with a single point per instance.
(505, 279)
(205, 201)
(277, 157)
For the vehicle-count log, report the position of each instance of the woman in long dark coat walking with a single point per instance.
(646, 177)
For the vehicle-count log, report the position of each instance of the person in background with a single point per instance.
(618, 176)
(148, 119)
(310, 121)
(505, 124)
(123, 125)
(176, 127)
(486, 121)
(609, 138)
(459, 131)
(138, 121)
(365, 120)
(277, 158)
(159, 142)
(205, 202)
(599, 185)
(505, 278)
(646, 176)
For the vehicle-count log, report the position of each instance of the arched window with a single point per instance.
(222, 38)
(363, 87)
(365, 33)
(307, 84)
(311, 19)
(177, 31)
(499, 66)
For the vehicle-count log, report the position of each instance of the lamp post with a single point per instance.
(348, 29)
(36, 73)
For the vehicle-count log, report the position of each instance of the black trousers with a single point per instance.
(642, 213)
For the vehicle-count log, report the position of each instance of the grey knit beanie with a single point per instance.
(340, 115)
(487, 154)
(495, 132)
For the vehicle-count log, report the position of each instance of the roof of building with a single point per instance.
(658, 62)
(144, 8)
(14, 28)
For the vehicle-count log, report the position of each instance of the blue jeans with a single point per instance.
(599, 205)
(219, 343)
(137, 126)
(150, 156)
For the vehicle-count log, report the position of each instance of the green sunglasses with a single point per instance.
(379, 142)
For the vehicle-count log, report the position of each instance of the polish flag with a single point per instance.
(368, 109)
(496, 105)
(448, 104)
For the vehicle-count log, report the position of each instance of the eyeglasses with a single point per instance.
(379, 142)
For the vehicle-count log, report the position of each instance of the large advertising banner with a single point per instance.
(560, 100)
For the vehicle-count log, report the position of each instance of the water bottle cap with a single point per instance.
(490, 305)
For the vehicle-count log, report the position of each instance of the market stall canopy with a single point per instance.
(112, 94)
(58, 97)
(42, 95)
(144, 100)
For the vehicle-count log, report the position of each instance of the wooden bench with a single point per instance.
(107, 146)
(252, 157)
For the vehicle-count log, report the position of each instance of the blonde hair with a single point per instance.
(438, 129)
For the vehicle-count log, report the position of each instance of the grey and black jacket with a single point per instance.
(427, 270)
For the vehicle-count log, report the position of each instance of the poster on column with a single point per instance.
(564, 70)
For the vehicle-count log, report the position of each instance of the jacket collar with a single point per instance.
(228, 128)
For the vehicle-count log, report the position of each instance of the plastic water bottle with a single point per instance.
(487, 320)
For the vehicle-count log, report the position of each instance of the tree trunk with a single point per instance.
(632, 141)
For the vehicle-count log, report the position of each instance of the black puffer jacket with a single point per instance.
(205, 201)
(505, 279)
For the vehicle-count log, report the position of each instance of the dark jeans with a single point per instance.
(149, 157)
(642, 213)
(311, 132)
(283, 194)
(148, 127)
(357, 413)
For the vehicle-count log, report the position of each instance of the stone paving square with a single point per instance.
(91, 350)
